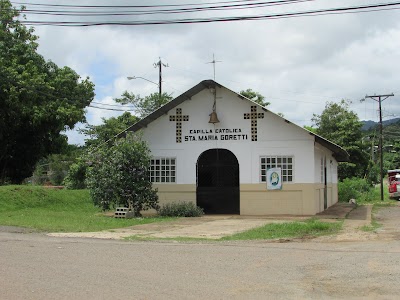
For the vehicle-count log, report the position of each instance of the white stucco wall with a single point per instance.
(305, 195)
(275, 137)
(331, 164)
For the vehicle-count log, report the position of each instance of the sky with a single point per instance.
(298, 64)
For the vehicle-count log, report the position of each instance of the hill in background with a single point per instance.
(367, 125)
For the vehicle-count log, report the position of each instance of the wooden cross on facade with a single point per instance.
(179, 119)
(253, 116)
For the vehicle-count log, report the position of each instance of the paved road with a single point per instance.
(41, 267)
(34, 266)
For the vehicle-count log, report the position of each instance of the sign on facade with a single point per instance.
(274, 179)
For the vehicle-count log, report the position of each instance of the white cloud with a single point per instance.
(298, 64)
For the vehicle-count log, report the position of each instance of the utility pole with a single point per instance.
(160, 64)
(378, 98)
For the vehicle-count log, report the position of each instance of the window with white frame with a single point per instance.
(163, 170)
(283, 162)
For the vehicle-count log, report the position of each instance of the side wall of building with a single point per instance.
(275, 137)
(326, 185)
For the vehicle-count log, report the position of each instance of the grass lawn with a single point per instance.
(54, 210)
(308, 228)
(57, 210)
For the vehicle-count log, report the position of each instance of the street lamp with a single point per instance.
(138, 77)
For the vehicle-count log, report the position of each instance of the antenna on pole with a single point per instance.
(214, 62)
(160, 64)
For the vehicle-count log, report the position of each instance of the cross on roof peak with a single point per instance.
(214, 62)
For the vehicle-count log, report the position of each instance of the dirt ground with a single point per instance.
(387, 219)
(218, 226)
(390, 219)
(215, 227)
(353, 264)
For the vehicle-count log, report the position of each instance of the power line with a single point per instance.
(97, 13)
(126, 12)
(113, 109)
(318, 12)
(115, 105)
(243, 2)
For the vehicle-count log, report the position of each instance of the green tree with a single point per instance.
(391, 156)
(144, 106)
(76, 176)
(310, 128)
(39, 176)
(55, 167)
(255, 96)
(119, 175)
(391, 145)
(38, 99)
(342, 126)
(98, 134)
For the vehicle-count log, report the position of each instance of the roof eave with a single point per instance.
(172, 104)
(339, 153)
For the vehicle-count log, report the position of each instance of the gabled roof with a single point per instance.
(338, 152)
(172, 104)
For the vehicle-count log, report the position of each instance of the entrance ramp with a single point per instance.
(337, 211)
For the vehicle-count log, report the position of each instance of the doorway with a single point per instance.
(217, 173)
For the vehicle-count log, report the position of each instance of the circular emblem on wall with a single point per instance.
(274, 178)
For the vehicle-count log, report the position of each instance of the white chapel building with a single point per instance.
(247, 161)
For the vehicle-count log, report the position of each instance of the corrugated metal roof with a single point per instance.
(338, 152)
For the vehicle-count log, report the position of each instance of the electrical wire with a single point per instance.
(74, 13)
(115, 105)
(105, 108)
(318, 12)
(156, 6)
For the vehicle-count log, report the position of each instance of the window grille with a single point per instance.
(163, 170)
(283, 162)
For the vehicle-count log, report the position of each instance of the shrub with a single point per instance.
(119, 175)
(39, 176)
(75, 179)
(372, 174)
(180, 209)
(354, 188)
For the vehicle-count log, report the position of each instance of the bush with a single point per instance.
(75, 179)
(355, 188)
(39, 176)
(373, 173)
(119, 175)
(180, 209)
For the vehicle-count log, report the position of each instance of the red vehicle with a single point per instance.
(394, 183)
